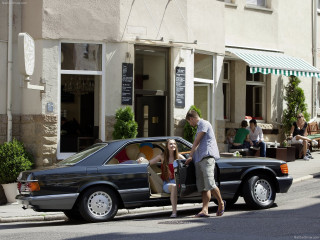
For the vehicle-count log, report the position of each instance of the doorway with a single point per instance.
(151, 90)
(150, 116)
(79, 120)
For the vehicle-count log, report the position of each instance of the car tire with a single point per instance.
(98, 204)
(73, 215)
(259, 192)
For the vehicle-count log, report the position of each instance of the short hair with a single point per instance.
(244, 123)
(253, 121)
(192, 113)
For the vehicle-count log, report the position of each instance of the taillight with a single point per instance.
(28, 186)
(33, 186)
(284, 168)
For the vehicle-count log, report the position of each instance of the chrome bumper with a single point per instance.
(48, 202)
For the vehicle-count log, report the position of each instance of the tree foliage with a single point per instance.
(125, 126)
(189, 132)
(294, 96)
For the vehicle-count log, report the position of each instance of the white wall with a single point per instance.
(115, 56)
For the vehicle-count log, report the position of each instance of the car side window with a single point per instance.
(183, 149)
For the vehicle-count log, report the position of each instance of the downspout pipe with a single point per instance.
(9, 73)
(314, 56)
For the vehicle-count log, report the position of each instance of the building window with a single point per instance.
(203, 66)
(81, 56)
(260, 3)
(203, 81)
(255, 95)
(81, 97)
(226, 90)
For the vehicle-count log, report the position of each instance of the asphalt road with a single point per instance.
(296, 215)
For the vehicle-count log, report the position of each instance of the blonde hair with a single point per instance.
(231, 132)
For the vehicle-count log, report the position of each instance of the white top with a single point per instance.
(256, 135)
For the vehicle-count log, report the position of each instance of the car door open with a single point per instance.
(185, 178)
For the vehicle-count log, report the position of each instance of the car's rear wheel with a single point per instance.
(259, 192)
(98, 204)
(73, 215)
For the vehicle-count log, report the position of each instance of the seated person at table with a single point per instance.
(230, 137)
(298, 134)
(241, 140)
(256, 137)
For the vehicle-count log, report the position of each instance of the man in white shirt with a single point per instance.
(256, 137)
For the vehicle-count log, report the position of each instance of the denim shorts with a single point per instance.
(167, 183)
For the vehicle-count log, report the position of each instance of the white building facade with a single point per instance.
(158, 57)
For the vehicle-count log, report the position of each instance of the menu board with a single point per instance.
(127, 79)
(180, 87)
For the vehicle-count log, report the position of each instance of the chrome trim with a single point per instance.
(52, 197)
(136, 190)
(230, 182)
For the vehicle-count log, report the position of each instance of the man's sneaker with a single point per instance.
(254, 148)
(306, 158)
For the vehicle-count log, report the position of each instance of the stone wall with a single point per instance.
(4, 126)
(39, 135)
(110, 121)
(220, 134)
(178, 127)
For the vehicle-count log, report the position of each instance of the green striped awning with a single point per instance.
(275, 63)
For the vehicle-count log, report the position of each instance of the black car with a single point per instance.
(94, 183)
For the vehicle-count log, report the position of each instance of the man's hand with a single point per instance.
(188, 160)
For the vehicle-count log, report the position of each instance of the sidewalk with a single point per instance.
(300, 170)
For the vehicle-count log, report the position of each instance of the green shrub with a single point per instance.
(125, 126)
(13, 159)
(295, 99)
(189, 132)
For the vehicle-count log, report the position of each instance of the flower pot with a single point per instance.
(11, 191)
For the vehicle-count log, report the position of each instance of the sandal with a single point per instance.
(220, 213)
(201, 215)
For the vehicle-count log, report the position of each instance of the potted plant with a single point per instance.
(295, 104)
(125, 126)
(13, 159)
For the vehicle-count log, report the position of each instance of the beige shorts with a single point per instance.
(205, 174)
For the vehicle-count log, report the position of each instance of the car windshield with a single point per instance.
(81, 155)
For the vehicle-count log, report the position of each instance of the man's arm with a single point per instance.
(260, 135)
(195, 145)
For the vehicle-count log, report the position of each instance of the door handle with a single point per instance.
(155, 119)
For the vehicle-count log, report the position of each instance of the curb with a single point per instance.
(33, 218)
(306, 178)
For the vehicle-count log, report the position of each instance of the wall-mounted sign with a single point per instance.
(180, 87)
(127, 79)
(26, 54)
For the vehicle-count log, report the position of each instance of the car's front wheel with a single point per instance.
(259, 192)
(98, 204)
